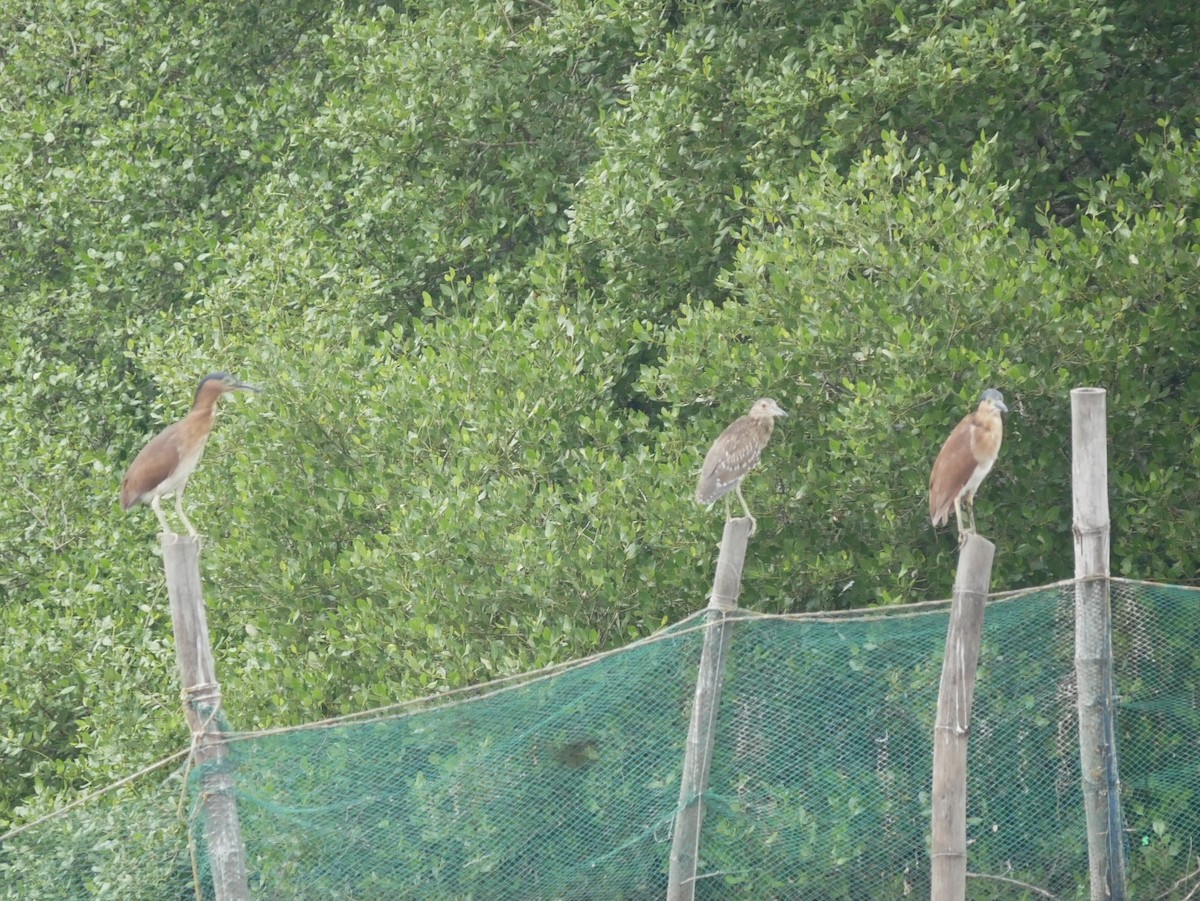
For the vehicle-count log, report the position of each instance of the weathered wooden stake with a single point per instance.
(201, 706)
(1093, 645)
(727, 585)
(956, 694)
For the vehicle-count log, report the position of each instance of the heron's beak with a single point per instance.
(242, 386)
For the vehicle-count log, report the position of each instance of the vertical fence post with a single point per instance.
(956, 694)
(727, 585)
(201, 705)
(1093, 646)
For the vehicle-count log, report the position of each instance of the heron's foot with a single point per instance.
(753, 522)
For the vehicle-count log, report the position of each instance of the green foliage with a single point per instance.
(652, 221)
(945, 290)
(505, 271)
(129, 845)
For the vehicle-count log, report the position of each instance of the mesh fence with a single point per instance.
(565, 784)
(131, 843)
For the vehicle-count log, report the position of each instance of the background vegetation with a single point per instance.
(505, 270)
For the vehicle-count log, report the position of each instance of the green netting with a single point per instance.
(565, 785)
(131, 844)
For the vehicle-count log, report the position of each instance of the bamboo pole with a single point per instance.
(956, 694)
(1093, 645)
(201, 705)
(727, 585)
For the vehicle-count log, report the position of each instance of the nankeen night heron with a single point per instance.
(165, 464)
(964, 461)
(735, 453)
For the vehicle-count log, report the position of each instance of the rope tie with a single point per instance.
(205, 699)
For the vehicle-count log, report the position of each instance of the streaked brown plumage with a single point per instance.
(964, 462)
(735, 452)
(168, 460)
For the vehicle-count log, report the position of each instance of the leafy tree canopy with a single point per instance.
(506, 269)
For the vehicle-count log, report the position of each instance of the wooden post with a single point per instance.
(201, 706)
(956, 694)
(1093, 646)
(727, 585)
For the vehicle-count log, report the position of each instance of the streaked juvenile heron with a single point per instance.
(964, 461)
(165, 464)
(735, 453)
